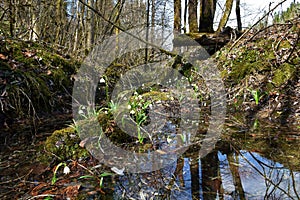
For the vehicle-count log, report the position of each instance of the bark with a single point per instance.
(90, 25)
(153, 13)
(207, 14)
(34, 26)
(76, 37)
(193, 24)
(177, 15)
(185, 15)
(58, 7)
(12, 18)
(226, 14)
(238, 15)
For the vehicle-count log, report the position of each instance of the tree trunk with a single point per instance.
(226, 14)
(76, 36)
(58, 7)
(12, 18)
(207, 14)
(153, 13)
(238, 15)
(185, 15)
(177, 15)
(193, 24)
(90, 25)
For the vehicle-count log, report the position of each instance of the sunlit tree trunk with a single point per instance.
(193, 24)
(207, 14)
(238, 15)
(226, 14)
(177, 15)
(90, 25)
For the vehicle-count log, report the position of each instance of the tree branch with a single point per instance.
(265, 15)
(123, 30)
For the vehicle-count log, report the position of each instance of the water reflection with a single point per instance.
(248, 175)
(222, 174)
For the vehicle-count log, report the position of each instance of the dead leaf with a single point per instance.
(72, 190)
(29, 54)
(3, 57)
(83, 142)
(35, 191)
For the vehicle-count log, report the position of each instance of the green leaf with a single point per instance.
(106, 174)
(86, 176)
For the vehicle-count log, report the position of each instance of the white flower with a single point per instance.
(132, 112)
(66, 170)
(129, 107)
(102, 80)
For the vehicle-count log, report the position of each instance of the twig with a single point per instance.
(235, 43)
(294, 47)
(42, 195)
(263, 29)
(16, 179)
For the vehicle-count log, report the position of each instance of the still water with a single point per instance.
(250, 165)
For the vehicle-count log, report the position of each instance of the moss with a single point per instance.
(283, 74)
(33, 76)
(157, 96)
(249, 62)
(64, 144)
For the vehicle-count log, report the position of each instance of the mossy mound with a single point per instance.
(34, 79)
(64, 144)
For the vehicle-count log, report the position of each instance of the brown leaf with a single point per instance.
(83, 142)
(35, 191)
(3, 57)
(29, 54)
(72, 190)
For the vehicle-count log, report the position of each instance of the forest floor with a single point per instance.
(261, 72)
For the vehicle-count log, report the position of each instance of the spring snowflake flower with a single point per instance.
(66, 170)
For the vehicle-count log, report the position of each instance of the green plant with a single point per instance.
(100, 178)
(183, 137)
(138, 110)
(48, 198)
(255, 124)
(66, 171)
(256, 95)
(112, 107)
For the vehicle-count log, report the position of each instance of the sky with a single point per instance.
(253, 10)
